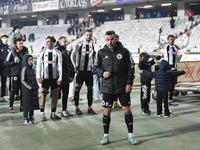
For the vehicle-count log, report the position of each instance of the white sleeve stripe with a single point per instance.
(23, 78)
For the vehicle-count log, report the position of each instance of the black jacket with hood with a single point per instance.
(29, 86)
(14, 68)
(4, 50)
(163, 76)
(121, 66)
(68, 69)
(144, 65)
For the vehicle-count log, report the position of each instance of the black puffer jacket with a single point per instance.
(144, 65)
(15, 68)
(163, 76)
(68, 69)
(4, 50)
(121, 66)
(29, 86)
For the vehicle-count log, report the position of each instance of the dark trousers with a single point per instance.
(3, 85)
(145, 95)
(15, 86)
(65, 92)
(162, 96)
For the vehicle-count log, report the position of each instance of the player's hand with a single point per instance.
(59, 82)
(188, 33)
(128, 88)
(71, 79)
(16, 59)
(160, 30)
(95, 40)
(141, 71)
(106, 74)
(76, 70)
(39, 80)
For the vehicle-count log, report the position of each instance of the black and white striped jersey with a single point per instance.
(49, 64)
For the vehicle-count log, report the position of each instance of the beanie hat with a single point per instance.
(15, 27)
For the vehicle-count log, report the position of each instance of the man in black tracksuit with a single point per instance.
(68, 73)
(145, 64)
(16, 64)
(4, 50)
(115, 66)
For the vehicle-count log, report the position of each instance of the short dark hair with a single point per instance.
(62, 37)
(110, 33)
(17, 40)
(117, 36)
(88, 30)
(5, 35)
(170, 36)
(52, 38)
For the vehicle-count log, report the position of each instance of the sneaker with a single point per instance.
(66, 114)
(11, 111)
(33, 120)
(78, 111)
(54, 116)
(149, 112)
(70, 99)
(144, 112)
(105, 140)
(159, 115)
(117, 105)
(4, 99)
(172, 103)
(42, 117)
(91, 111)
(132, 140)
(27, 122)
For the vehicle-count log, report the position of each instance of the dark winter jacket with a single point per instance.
(144, 65)
(4, 50)
(68, 69)
(29, 86)
(15, 68)
(121, 66)
(163, 76)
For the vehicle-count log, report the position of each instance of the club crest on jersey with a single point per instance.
(119, 56)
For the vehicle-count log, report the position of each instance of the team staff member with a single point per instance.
(4, 50)
(170, 54)
(49, 74)
(16, 64)
(82, 58)
(115, 66)
(68, 73)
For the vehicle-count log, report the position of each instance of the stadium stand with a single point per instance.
(144, 32)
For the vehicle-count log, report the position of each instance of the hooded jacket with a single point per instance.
(144, 65)
(29, 86)
(163, 76)
(121, 66)
(4, 50)
(68, 68)
(15, 68)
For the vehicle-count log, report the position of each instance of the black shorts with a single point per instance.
(174, 79)
(46, 83)
(108, 99)
(86, 76)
